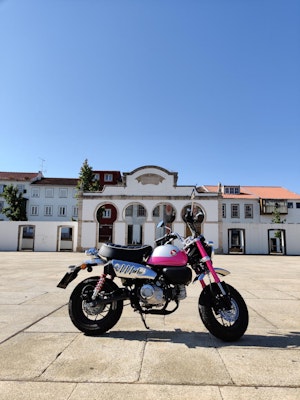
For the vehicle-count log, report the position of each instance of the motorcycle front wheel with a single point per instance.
(92, 317)
(227, 323)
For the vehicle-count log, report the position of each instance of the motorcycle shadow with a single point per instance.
(194, 339)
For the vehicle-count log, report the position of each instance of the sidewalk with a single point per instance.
(43, 356)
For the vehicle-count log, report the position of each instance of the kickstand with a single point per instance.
(144, 321)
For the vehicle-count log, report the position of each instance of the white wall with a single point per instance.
(46, 235)
(256, 237)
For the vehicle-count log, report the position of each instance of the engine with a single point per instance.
(152, 294)
(157, 295)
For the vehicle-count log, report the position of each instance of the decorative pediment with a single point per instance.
(150, 179)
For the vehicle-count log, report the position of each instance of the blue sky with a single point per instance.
(207, 88)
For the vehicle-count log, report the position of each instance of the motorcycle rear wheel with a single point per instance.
(225, 324)
(89, 317)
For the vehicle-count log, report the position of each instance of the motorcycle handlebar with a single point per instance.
(164, 239)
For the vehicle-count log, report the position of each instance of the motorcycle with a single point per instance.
(154, 281)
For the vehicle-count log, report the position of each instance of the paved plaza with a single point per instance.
(43, 356)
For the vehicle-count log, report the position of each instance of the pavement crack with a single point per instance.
(55, 358)
(226, 369)
(142, 359)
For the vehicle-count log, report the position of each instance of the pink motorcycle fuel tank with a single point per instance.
(168, 256)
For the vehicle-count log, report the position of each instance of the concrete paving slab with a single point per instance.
(257, 367)
(282, 314)
(259, 393)
(28, 355)
(186, 356)
(146, 392)
(18, 390)
(16, 318)
(44, 356)
(101, 360)
(57, 321)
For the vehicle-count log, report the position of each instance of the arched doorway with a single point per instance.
(106, 216)
(163, 212)
(196, 209)
(135, 216)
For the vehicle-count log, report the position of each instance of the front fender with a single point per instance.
(219, 271)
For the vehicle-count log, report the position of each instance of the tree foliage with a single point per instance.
(276, 217)
(16, 209)
(86, 181)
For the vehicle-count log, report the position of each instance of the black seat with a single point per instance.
(136, 254)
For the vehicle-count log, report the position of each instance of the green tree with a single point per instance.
(276, 216)
(86, 181)
(16, 209)
(276, 219)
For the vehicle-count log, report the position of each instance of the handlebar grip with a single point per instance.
(165, 239)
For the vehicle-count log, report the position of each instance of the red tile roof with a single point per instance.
(18, 176)
(254, 192)
(56, 181)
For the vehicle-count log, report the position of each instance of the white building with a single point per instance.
(247, 225)
(238, 219)
(132, 211)
(48, 199)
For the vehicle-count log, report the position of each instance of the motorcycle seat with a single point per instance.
(136, 254)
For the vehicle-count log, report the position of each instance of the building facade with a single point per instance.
(128, 207)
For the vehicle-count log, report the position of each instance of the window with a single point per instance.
(34, 210)
(141, 212)
(297, 205)
(66, 233)
(2, 187)
(129, 211)
(62, 211)
(35, 192)
(232, 189)
(75, 211)
(235, 211)
(290, 204)
(48, 211)
(268, 206)
(108, 177)
(28, 232)
(248, 210)
(224, 210)
(106, 213)
(156, 212)
(63, 192)
(21, 188)
(49, 192)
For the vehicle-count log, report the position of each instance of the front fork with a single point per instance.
(219, 300)
(214, 271)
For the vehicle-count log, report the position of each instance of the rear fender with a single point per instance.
(74, 270)
(69, 276)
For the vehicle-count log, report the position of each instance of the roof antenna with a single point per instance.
(42, 170)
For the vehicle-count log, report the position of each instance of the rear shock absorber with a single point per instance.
(99, 286)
